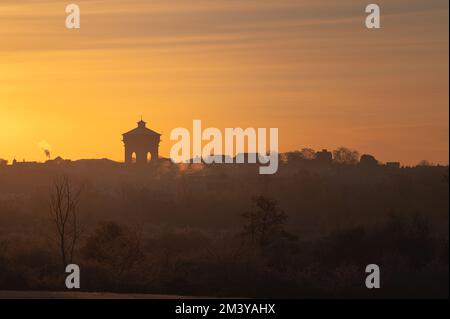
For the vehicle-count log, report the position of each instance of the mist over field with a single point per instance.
(224, 230)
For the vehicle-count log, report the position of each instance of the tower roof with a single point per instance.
(141, 129)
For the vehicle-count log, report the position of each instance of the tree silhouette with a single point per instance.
(264, 223)
(308, 153)
(343, 155)
(63, 212)
(424, 163)
(114, 245)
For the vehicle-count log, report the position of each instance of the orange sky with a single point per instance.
(310, 68)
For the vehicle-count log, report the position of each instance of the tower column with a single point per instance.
(128, 156)
(155, 154)
(141, 157)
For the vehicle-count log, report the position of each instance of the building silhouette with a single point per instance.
(141, 142)
(324, 157)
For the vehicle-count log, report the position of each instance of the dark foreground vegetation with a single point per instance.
(308, 231)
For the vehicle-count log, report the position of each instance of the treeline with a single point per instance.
(217, 230)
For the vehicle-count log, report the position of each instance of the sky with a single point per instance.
(309, 68)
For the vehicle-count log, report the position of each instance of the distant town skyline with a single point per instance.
(309, 68)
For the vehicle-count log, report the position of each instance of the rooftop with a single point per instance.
(141, 129)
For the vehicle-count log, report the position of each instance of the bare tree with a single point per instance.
(304, 154)
(265, 222)
(344, 155)
(308, 154)
(64, 203)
